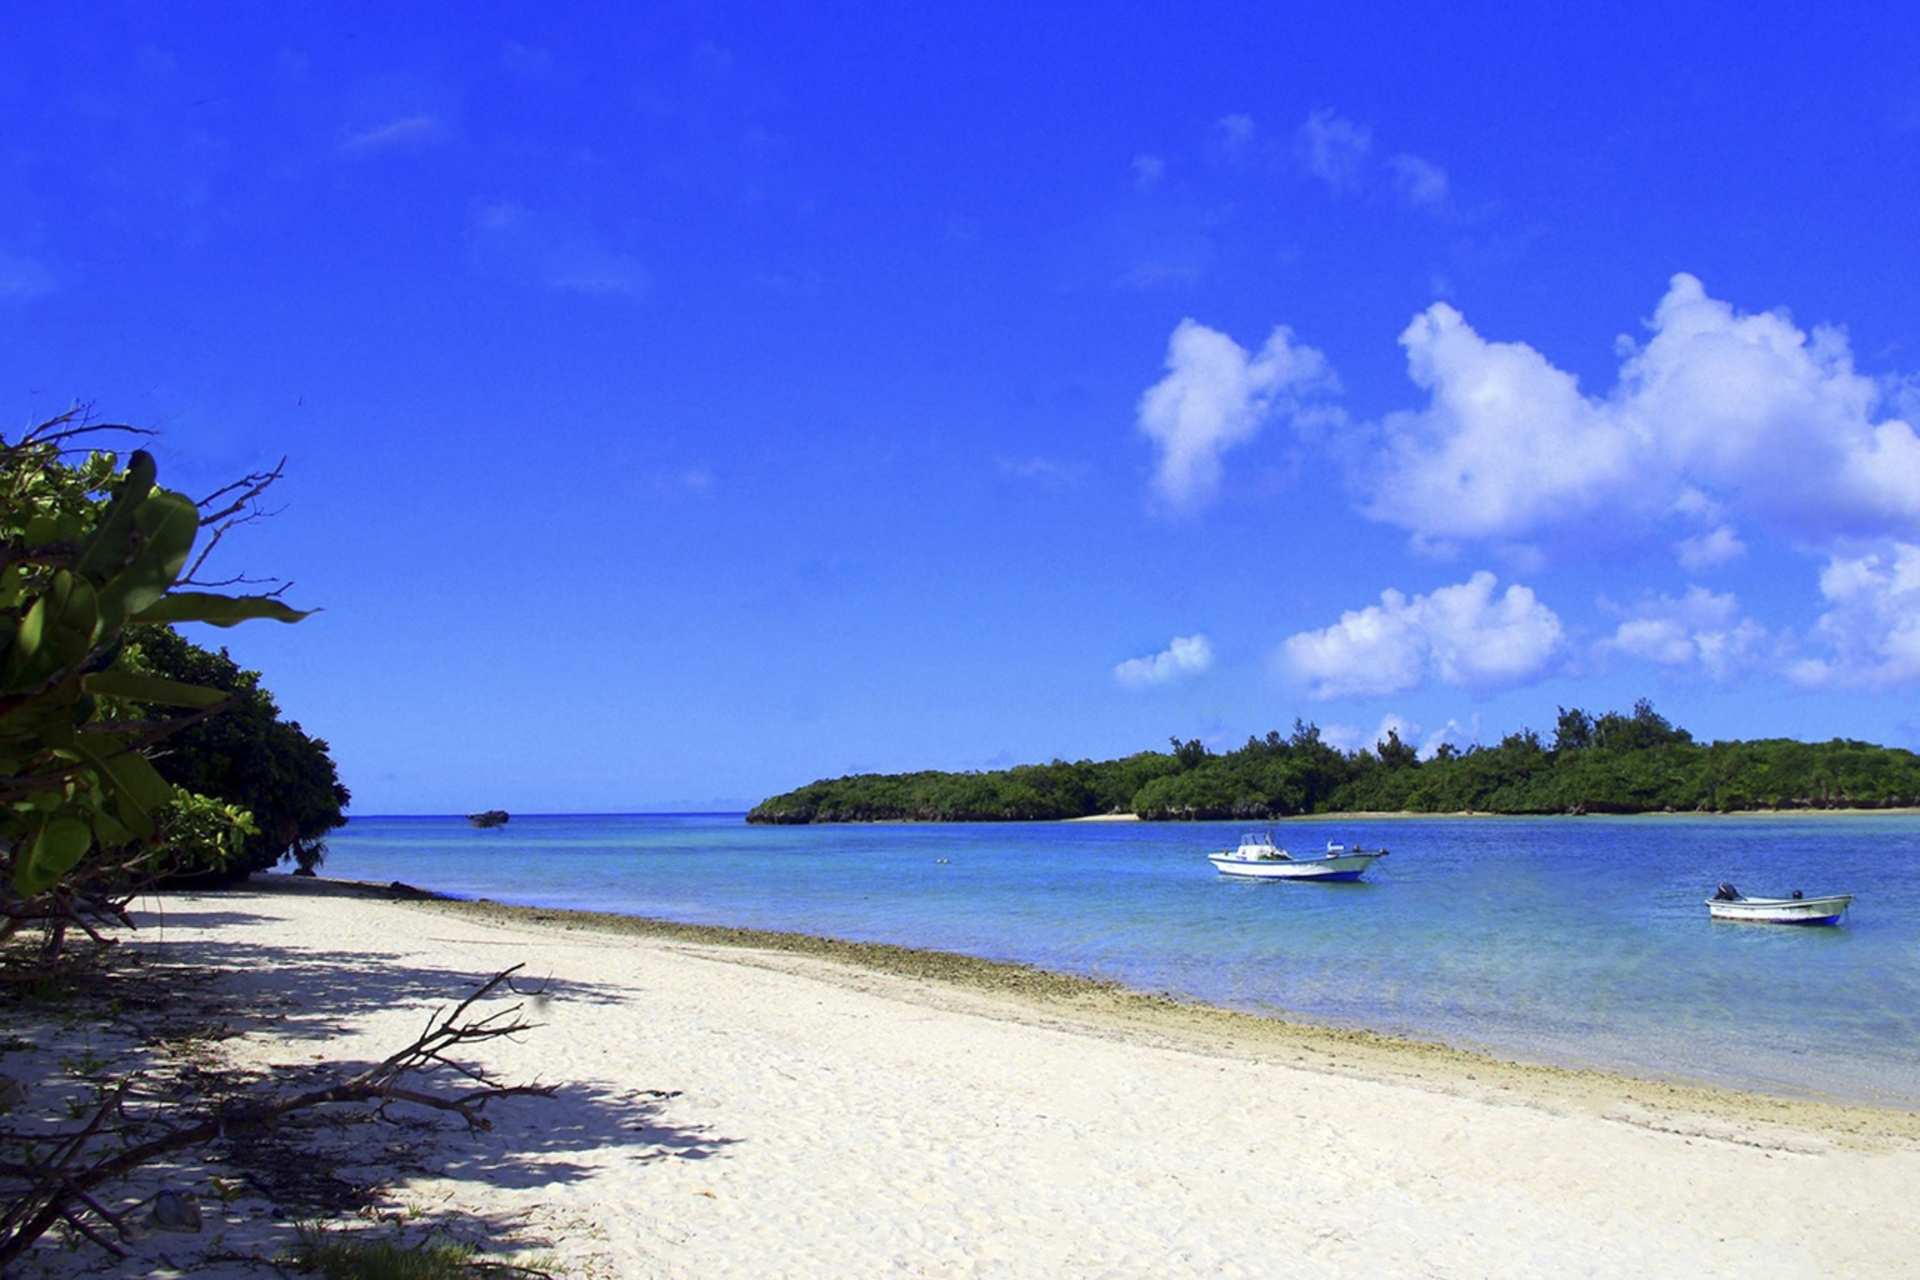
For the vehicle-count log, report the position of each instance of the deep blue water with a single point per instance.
(1580, 941)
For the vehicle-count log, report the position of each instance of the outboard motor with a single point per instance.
(1726, 893)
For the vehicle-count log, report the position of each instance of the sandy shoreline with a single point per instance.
(741, 1104)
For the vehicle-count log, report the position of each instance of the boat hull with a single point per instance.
(1349, 866)
(1826, 910)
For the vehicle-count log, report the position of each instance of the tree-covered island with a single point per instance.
(1612, 763)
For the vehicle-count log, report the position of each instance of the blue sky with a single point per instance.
(684, 403)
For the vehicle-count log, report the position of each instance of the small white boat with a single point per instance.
(1259, 857)
(1730, 904)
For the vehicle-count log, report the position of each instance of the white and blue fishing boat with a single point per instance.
(1730, 904)
(1259, 857)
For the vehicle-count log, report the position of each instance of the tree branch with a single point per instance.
(59, 1185)
(242, 498)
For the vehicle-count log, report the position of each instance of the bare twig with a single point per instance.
(59, 431)
(61, 1174)
(242, 498)
(248, 488)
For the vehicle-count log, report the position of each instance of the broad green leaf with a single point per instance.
(26, 645)
(220, 611)
(138, 789)
(170, 522)
(57, 632)
(108, 548)
(167, 523)
(152, 689)
(71, 631)
(41, 529)
(30, 717)
(57, 849)
(108, 832)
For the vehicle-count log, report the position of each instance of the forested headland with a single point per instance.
(1636, 762)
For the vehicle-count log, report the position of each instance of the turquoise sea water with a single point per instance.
(1579, 941)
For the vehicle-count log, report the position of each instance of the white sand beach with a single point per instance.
(784, 1110)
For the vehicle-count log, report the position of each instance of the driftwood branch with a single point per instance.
(58, 1176)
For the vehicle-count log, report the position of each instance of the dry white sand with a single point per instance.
(799, 1111)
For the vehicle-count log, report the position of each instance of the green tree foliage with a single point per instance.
(1395, 754)
(1637, 762)
(89, 548)
(246, 756)
(1190, 754)
(1574, 732)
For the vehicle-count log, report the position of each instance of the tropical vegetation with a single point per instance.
(97, 562)
(1636, 762)
(128, 755)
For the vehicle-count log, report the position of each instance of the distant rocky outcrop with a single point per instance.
(491, 818)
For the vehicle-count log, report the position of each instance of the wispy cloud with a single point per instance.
(1334, 150)
(1339, 152)
(692, 482)
(1187, 656)
(1419, 182)
(1047, 473)
(1217, 395)
(23, 277)
(581, 265)
(538, 249)
(525, 60)
(405, 132)
(1462, 635)
(1235, 133)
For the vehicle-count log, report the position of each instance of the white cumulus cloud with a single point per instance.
(1718, 411)
(1701, 629)
(1506, 444)
(1349, 737)
(1186, 656)
(1461, 635)
(1871, 629)
(1453, 734)
(1217, 395)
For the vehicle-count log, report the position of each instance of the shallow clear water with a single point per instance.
(1581, 941)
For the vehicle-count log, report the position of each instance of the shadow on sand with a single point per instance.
(345, 1160)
